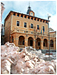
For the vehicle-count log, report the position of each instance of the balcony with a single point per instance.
(28, 32)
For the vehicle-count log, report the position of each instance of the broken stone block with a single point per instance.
(14, 61)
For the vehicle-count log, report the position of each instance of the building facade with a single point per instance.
(2, 26)
(28, 30)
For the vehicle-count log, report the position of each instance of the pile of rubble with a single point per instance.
(25, 62)
(40, 54)
(34, 51)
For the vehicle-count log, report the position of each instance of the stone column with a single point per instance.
(26, 41)
(16, 41)
(23, 16)
(41, 43)
(48, 44)
(34, 43)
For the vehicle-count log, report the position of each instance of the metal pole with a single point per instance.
(35, 36)
(49, 37)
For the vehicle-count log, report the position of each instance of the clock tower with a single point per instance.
(30, 12)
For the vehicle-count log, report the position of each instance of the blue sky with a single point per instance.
(41, 8)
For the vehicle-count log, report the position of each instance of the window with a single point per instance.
(17, 23)
(37, 26)
(43, 28)
(25, 24)
(31, 25)
(28, 17)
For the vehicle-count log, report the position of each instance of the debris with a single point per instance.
(27, 61)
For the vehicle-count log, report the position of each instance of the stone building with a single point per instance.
(28, 30)
(2, 26)
(2, 35)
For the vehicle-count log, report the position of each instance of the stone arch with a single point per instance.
(21, 40)
(30, 41)
(51, 43)
(38, 43)
(45, 43)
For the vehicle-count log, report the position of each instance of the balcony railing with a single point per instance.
(30, 32)
(46, 48)
(52, 48)
(21, 46)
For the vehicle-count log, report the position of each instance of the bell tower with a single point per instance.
(29, 11)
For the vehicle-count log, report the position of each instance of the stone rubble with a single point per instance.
(25, 62)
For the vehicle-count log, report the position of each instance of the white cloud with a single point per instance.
(53, 22)
(41, 9)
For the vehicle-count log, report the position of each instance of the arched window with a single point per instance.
(21, 40)
(25, 24)
(38, 27)
(31, 25)
(45, 43)
(30, 41)
(38, 43)
(18, 23)
(43, 28)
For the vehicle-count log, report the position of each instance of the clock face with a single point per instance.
(31, 14)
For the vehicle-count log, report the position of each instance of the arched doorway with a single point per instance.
(38, 43)
(51, 43)
(45, 44)
(12, 39)
(21, 42)
(30, 41)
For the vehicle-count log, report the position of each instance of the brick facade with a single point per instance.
(28, 35)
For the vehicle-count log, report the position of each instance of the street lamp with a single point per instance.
(49, 37)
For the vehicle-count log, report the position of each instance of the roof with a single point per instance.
(29, 9)
(26, 15)
(52, 31)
